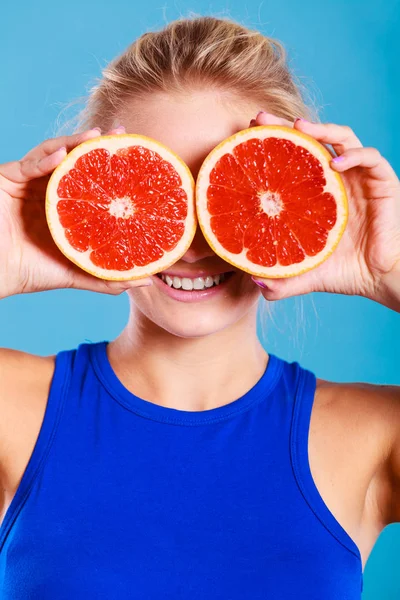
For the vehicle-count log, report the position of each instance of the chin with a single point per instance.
(184, 315)
(193, 320)
(190, 328)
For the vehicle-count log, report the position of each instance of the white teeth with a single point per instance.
(198, 283)
(187, 284)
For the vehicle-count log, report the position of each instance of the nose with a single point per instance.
(199, 248)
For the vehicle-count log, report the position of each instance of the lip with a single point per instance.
(192, 296)
(193, 275)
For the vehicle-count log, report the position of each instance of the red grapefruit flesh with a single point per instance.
(269, 203)
(121, 207)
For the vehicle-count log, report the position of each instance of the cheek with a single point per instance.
(247, 290)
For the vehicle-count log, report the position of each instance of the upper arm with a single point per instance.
(8, 366)
(366, 418)
(24, 380)
(9, 377)
(392, 394)
(384, 403)
(24, 385)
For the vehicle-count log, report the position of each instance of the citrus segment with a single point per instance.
(269, 203)
(122, 207)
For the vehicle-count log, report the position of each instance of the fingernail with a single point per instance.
(260, 283)
(261, 112)
(97, 129)
(301, 119)
(338, 159)
(62, 148)
(120, 128)
(146, 283)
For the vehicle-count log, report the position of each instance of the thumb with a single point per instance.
(84, 281)
(278, 289)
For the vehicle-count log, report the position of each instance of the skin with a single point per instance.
(200, 356)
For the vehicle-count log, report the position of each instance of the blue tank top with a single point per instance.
(126, 499)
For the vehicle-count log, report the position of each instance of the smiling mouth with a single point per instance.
(196, 283)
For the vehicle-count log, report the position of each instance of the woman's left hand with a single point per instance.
(367, 259)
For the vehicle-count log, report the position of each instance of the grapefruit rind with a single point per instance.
(112, 143)
(334, 185)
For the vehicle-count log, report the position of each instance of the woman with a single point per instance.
(180, 460)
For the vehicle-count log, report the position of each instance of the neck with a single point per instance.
(188, 373)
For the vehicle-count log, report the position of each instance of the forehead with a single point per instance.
(190, 124)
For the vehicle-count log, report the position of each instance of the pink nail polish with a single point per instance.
(96, 129)
(260, 283)
(338, 159)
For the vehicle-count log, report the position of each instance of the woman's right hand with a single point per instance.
(29, 259)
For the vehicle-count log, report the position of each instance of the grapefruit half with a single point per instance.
(269, 203)
(121, 207)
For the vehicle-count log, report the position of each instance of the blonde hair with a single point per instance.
(193, 52)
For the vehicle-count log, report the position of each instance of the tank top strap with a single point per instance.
(52, 416)
(299, 436)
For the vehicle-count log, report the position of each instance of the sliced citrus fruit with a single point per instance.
(269, 203)
(121, 206)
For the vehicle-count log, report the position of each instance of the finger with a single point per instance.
(117, 130)
(278, 289)
(31, 169)
(340, 137)
(84, 281)
(34, 165)
(31, 165)
(264, 118)
(370, 158)
(24, 170)
(68, 141)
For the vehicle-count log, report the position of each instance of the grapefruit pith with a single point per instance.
(269, 203)
(121, 207)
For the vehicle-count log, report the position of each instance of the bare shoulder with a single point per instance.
(25, 381)
(362, 407)
(22, 372)
(362, 423)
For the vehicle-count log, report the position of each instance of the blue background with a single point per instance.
(346, 52)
